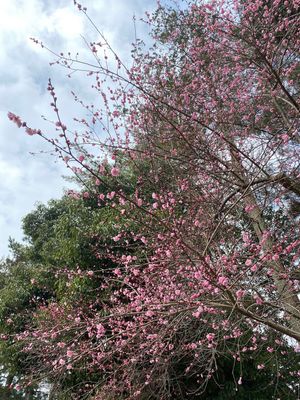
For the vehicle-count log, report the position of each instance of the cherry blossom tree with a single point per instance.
(208, 118)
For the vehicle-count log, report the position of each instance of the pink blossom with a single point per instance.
(116, 238)
(258, 300)
(285, 138)
(198, 312)
(210, 336)
(32, 132)
(254, 268)
(249, 208)
(117, 272)
(14, 118)
(149, 313)
(168, 253)
(111, 195)
(115, 171)
(198, 275)
(222, 280)
(100, 330)
(101, 168)
(70, 353)
(240, 294)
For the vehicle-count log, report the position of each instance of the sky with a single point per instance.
(25, 178)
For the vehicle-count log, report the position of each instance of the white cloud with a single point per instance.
(67, 22)
(9, 173)
(24, 71)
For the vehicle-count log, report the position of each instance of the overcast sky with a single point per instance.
(26, 179)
